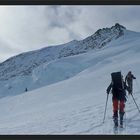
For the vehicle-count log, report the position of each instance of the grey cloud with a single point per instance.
(26, 28)
(7, 51)
(61, 16)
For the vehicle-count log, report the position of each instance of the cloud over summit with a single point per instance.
(25, 28)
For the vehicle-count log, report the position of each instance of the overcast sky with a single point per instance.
(25, 28)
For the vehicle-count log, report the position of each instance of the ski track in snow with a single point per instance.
(72, 122)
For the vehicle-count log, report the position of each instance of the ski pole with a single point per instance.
(105, 108)
(135, 103)
(125, 118)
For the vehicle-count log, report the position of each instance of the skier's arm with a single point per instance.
(109, 88)
(133, 77)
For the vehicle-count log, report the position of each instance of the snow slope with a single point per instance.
(40, 67)
(74, 103)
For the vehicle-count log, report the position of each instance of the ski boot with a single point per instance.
(115, 119)
(115, 122)
(121, 119)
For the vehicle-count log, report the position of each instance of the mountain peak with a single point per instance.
(105, 35)
(118, 26)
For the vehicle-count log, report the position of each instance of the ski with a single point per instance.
(121, 126)
(115, 126)
(115, 129)
(118, 130)
(118, 127)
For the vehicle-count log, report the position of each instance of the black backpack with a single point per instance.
(118, 86)
(117, 81)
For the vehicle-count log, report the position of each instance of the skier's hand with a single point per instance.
(134, 77)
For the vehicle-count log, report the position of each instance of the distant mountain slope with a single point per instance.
(24, 63)
(56, 63)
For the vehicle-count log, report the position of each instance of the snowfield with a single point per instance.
(70, 93)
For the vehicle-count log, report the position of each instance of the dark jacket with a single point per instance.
(119, 94)
(129, 77)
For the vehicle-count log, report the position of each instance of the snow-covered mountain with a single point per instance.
(72, 99)
(39, 66)
(24, 63)
(67, 94)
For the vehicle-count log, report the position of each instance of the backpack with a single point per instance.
(117, 82)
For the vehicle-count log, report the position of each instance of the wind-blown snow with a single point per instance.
(74, 101)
